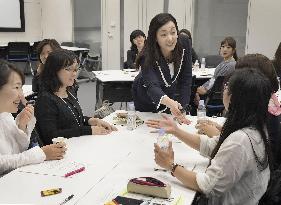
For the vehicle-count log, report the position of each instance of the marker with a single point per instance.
(74, 172)
(67, 199)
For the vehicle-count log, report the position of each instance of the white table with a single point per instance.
(110, 162)
(114, 85)
(204, 73)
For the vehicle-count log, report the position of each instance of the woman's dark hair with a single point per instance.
(230, 41)
(186, 32)
(56, 61)
(262, 63)
(151, 51)
(133, 35)
(6, 69)
(53, 44)
(250, 92)
(277, 59)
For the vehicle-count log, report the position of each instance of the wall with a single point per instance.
(264, 30)
(44, 19)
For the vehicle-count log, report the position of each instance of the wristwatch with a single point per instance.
(174, 166)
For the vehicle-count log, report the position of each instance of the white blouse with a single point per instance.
(14, 143)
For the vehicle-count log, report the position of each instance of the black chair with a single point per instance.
(19, 52)
(213, 61)
(70, 44)
(214, 100)
(34, 55)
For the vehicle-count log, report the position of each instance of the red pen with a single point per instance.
(74, 172)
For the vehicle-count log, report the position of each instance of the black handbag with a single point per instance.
(199, 199)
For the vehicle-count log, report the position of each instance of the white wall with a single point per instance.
(44, 19)
(264, 27)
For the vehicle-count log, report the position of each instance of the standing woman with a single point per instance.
(57, 108)
(44, 48)
(15, 133)
(227, 66)
(166, 69)
(137, 39)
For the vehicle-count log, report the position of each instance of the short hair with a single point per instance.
(261, 63)
(51, 42)
(56, 61)
(230, 41)
(6, 69)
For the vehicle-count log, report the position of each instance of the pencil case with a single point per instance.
(149, 186)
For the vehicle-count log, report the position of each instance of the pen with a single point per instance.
(74, 172)
(67, 199)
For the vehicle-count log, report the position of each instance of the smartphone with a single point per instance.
(50, 192)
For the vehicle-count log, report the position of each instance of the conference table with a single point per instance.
(115, 85)
(110, 161)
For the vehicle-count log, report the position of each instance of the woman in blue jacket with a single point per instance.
(164, 81)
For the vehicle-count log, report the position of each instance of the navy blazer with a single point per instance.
(151, 84)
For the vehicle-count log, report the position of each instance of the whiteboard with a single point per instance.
(11, 15)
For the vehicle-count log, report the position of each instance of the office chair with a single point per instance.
(214, 100)
(69, 44)
(213, 61)
(34, 55)
(19, 52)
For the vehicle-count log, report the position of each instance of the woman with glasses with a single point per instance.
(240, 162)
(57, 108)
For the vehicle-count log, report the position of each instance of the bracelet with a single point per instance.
(174, 166)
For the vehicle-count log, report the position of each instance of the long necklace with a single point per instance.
(71, 109)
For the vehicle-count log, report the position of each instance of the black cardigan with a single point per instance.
(154, 82)
(131, 58)
(55, 119)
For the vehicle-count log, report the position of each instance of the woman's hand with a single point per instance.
(164, 157)
(175, 109)
(167, 123)
(208, 129)
(100, 123)
(97, 130)
(201, 90)
(25, 116)
(54, 151)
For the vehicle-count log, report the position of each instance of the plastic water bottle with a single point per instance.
(203, 63)
(163, 139)
(131, 119)
(201, 112)
(196, 65)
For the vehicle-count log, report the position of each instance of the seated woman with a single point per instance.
(57, 108)
(240, 162)
(263, 64)
(194, 55)
(229, 54)
(15, 134)
(137, 39)
(44, 48)
(166, 71)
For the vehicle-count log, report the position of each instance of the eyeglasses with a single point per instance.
(72, 68)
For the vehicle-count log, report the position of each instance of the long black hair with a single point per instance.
(250, 92)
(133, 35)
(57, 60)
(151, 51)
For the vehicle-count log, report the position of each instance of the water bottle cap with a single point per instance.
(201, 102)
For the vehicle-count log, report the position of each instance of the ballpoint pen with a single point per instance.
(67, 199)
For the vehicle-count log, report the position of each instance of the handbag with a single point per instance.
(200, 199)
(105, 110)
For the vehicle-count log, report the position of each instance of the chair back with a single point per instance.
(213, 61)
(18, 51)
(214, 101)
(33, 51)
(70, 44)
